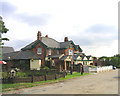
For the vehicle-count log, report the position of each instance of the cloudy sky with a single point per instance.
(93, 24)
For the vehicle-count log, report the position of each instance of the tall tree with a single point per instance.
(114, 60)
(3, 29)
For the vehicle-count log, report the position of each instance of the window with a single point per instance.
(49, 51)
(70, 52)
(57, 51)
(39, 51)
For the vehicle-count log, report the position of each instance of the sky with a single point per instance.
(92, 24)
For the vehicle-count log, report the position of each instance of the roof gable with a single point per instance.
(66, 44)
(45, 41)
(90, 58)
(85, 58)
(32, 45)
(78, 47)
(79, 58)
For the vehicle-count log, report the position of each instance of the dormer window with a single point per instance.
(70, 52)
(49, 51)
(39, 51)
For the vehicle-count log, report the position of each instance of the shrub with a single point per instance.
(21, 74)
(4, 75)
(92, 66)
(45, 67)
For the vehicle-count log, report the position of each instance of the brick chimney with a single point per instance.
(66, 39)
(38, 35)
(46, 36)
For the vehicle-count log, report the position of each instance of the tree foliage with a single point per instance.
(114, 60)
(3, 29)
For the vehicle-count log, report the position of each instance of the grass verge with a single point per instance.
(17, 86)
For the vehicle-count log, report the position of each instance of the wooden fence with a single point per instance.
(31, 79)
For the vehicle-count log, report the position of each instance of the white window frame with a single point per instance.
(39, 51)
(49, 51)
(70, 52)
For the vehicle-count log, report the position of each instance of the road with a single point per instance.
(100, 83)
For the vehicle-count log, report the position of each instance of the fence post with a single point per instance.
(70, 70)
(82, 70)
(32, 79)
(45, 75)
(55, 76)
(79, 68)
(64, 73)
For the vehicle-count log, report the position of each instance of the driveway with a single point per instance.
(100, 83)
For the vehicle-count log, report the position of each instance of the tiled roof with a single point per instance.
(50, 42)
(20, 55)
(6, 49)
(11, 55)
(64, 44)
(63, 58)
(30, 45)
(55, 56)
(46, 41)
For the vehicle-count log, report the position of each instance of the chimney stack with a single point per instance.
(66, 39)
(38, 35)
(46, 36)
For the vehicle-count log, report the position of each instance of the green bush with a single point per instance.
(45, 67)
(4, 74)
(53, 67)
(92, 66)
(21, 74)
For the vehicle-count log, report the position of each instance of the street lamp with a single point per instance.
(9, 58)
(7, 66)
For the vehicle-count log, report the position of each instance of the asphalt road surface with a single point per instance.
(100, 83)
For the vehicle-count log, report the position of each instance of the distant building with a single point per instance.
(6, 49)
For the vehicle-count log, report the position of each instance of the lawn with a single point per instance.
(17, 86)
